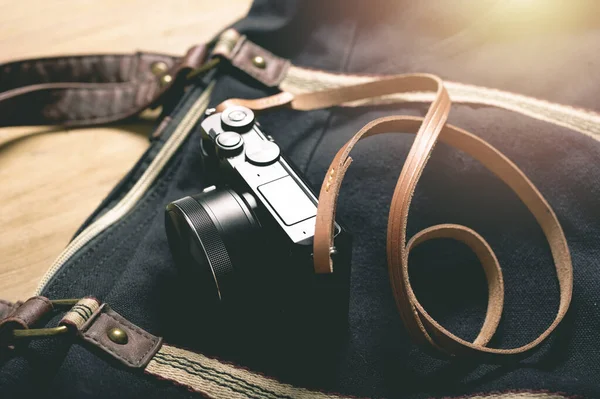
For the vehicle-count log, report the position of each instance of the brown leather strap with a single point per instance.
(27, 314)
(95, 323)
(90, 89)
(421, 326)
(254, 60)
(22, 316)
(132, 346)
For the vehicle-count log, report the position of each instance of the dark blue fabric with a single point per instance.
(129, 266)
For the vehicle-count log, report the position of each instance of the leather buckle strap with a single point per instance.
(18, 322)
(95, 323)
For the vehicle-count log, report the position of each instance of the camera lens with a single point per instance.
(213, 238)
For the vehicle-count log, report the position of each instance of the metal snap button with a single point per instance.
(118, 336)
(158, 68)
(259, 62)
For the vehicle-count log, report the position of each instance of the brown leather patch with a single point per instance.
(273, 71)
(136, 352)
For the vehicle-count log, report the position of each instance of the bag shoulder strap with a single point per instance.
(89, 89)
(85, 90)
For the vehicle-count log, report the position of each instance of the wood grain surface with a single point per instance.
(52, 179)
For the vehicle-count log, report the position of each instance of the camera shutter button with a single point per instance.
(229, 143)
(237, 118)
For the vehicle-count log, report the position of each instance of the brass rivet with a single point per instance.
(158, 68)
(259, 62)
(117, 336)
(165, 80)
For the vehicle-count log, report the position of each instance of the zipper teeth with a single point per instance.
(137, 191)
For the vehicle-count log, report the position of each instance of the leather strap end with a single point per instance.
(135, 348)
(262, 65)
(326, 210)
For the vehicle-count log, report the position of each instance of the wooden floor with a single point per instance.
(52, 179)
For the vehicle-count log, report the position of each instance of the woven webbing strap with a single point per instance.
(220, 380)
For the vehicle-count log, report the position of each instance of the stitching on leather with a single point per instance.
(132, 362)
(261, 75)
(111, 351)
(153, 340)
(130, 325)
(153, 346)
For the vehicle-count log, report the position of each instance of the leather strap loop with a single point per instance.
(422, 328)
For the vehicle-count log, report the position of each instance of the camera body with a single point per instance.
(247, 242)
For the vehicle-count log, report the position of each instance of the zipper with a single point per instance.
(128, 202)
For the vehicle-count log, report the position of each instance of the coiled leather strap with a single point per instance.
(428, 130)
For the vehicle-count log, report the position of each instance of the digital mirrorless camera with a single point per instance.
(246, 240)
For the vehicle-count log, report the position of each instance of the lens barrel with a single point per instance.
(213, 238)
